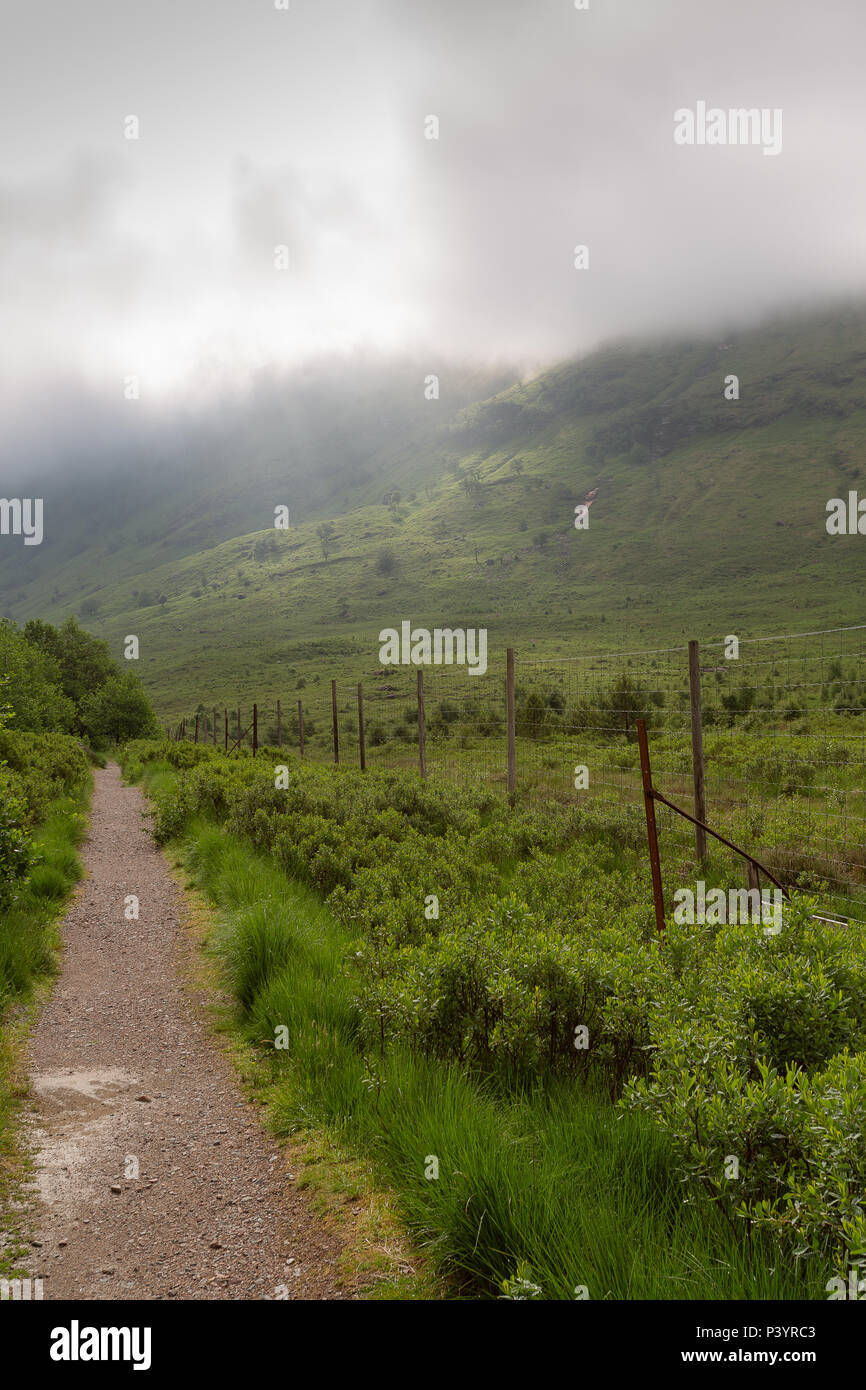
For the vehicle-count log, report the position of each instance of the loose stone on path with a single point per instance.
(153, 1177)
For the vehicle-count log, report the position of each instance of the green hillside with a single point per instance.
(708, 517)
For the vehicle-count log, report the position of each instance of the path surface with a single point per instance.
(154, 1178)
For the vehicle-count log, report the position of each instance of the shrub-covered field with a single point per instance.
(475, 996)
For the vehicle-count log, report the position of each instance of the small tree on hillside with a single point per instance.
(325, 532)
(386, 561)
(119, 710)
(625, 703)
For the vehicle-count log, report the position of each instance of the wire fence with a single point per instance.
(773, 729)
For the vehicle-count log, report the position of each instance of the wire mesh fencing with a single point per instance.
(763, 739)
(781, 748)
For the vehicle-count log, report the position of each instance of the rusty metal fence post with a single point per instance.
(651, 831)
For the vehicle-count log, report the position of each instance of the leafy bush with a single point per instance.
(15, 842)
(35, 769)
(748, 1033)
(43, 779)
(31, 684)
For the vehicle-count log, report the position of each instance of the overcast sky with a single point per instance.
(262, 127)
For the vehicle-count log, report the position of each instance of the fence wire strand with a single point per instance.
(783, 726)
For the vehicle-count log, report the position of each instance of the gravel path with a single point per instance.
(154, 1178)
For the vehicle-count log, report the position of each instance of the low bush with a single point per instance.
(519, 948)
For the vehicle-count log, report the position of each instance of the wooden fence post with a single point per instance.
(214, 726)
(301, 726)
(422, 728)
(183, 729)
(239, 730)
(279, 726)
(651, 831)
(255, 729)
(698, 749)
(362, 745)
(196, 728)
(334, 719)
(226, 726)
(509, 714)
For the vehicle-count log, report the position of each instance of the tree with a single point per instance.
(325, 532)
(32, 687)
(386, 561)
(120, 709)
(85, 661)
(531, 717)
(739, 702)
(623, 704)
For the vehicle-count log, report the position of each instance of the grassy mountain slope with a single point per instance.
(708, 518)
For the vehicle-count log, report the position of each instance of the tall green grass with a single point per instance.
(555, 1181)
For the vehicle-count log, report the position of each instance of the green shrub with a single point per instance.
(748, 1033)
(15, 842)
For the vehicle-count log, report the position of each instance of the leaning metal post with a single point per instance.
(651, 831)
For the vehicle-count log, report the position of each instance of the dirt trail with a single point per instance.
(154, 1178)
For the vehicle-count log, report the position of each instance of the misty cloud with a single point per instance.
(307, 128)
